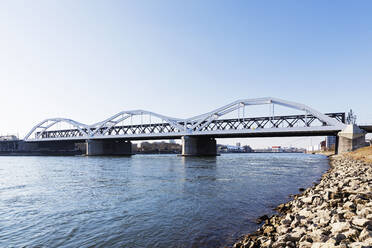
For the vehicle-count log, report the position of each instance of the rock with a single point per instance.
(339, 227)
(279, 244)
(361, 222)
(250, 244)
(363, 211)
(324, 205)
(296, 234)
(282, 229)
(268, 229)
(360, 245)
(262, 218)
(275, 220)
(334, 195)
(305, 244)
(317, 200)
(305, 213)
(307, 200)
(316, 245)
(350, 206)
(334, 203)
(282, 208)
(349, 215)
(337, 218)
(322, 245)
(332, 241)
(351, 234)
(267, 243)
(287, 220)
(326, 230)
(365, 234)
(317, 236)
(261, 240)
(324, 214)
(289, 244)
(295, 223)
(336, 212)
(238, 245)
(367, 243)
(306, 238)
(339, 237)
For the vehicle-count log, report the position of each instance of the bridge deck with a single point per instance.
(263, 132)
(367, 128)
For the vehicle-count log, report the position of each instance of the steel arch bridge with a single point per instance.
(311, 122)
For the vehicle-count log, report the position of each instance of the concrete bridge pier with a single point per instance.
(351, 138)
(198, 146)
(108, 147)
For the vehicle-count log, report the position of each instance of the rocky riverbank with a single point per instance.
(337, 212)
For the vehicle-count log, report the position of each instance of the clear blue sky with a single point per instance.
(87, 60)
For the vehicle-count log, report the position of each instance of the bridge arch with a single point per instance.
(201, 121)
(114, 120)
(179, 127)
(46, 124)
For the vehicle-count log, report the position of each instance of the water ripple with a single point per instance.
(145, 200)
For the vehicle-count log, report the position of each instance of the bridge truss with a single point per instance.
(211, 123)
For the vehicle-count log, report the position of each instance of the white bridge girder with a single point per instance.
(181, 127)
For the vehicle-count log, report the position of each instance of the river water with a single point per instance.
(144, 200)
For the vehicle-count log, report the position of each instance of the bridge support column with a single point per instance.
(198, 146)
(351, 138)
(108, 147)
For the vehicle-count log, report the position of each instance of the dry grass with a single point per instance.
(364, 154)
(327, 153)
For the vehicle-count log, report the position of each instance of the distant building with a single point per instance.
(330, 142)
(8, 137)
(233, 149)
(238, 144)
(293, 149)
(276, 149)
(313, 148)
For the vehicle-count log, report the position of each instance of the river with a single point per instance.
(145, 200)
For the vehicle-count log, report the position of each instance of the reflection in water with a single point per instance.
(144, 200)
